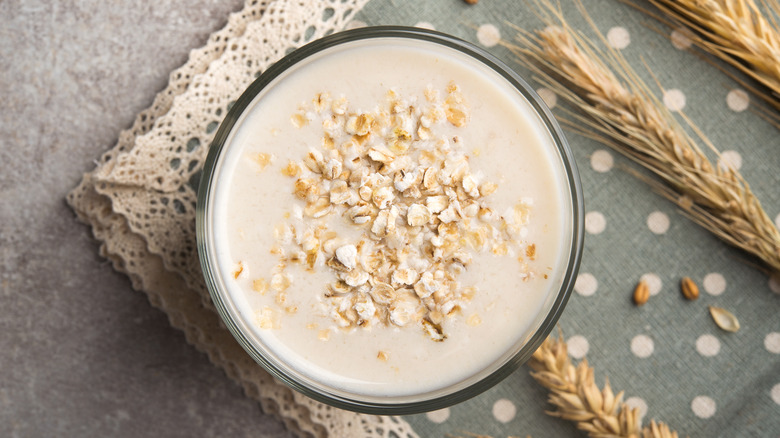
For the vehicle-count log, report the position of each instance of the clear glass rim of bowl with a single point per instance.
(381, 405)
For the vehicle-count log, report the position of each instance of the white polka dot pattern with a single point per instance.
(658, 222)
(708, 345)
(578, 346)
(548, 96)
(653, 281)
(674, 100)
(504, 411)
(681, 38)
(439, 416)
(737, 100)
(488, 35)
(595, 222)
(703, 406)
(637, 403)
(586, 284)
(618, 37)
(775, 393)
(601, 161)
(714, 283)
(772, 342)
(730, 159)
(642, 346)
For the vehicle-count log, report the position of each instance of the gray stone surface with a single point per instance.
(81, 353)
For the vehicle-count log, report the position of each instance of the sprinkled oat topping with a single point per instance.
(263, 160)
(419, 211)
(239, 269)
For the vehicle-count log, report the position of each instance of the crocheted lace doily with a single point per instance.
(140, 200)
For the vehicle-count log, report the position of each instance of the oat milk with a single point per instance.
(390, 219)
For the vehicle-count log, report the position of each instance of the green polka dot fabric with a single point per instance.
(669, 357)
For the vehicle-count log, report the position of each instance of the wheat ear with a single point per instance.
(736, 31)
(576, 397)
(614, 106)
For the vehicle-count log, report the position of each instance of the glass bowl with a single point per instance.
(275, 358)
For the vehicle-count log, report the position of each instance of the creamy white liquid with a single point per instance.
(515, 151)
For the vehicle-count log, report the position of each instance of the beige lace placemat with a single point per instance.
(140, 200)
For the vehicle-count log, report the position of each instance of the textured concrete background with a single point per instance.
(81, 353)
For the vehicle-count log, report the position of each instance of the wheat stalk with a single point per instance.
(617, 108)
(574, 393)
(736, 31)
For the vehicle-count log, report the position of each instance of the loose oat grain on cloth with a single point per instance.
(140, 199)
